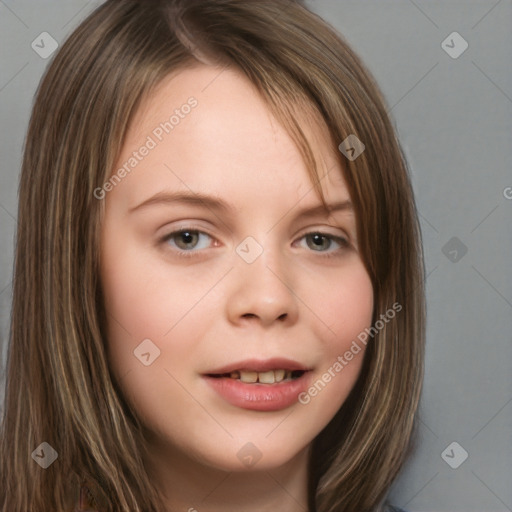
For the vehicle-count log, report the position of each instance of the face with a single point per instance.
(219, 270)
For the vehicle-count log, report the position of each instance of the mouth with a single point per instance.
(257, 371)
(266, 377)
(265, 386)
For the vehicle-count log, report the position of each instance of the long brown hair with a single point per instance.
(59, 387)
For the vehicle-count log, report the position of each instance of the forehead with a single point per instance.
(230, 138)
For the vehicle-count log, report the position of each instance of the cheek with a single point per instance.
(143, 306)
(342, 303)
(352, 304)
(145, 299)
(144, 296)
(134, 305)
(346, 315)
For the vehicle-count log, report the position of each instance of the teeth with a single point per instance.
(266, 377)
(279, 375)
(249, 377)
(269, 377)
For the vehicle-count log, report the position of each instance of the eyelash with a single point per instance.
(192, 253)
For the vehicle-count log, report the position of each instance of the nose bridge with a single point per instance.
(263, 286)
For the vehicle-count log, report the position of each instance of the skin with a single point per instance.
(214, 308)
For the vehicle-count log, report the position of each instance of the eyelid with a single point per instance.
(179, 227)
(323, 230)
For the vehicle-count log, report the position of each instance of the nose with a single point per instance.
(262, 292)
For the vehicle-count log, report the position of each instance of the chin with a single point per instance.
(250, 458)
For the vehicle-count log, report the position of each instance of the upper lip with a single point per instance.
(260, 365)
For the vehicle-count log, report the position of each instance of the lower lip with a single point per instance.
(259, 397)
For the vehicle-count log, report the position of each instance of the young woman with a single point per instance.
(218, 295)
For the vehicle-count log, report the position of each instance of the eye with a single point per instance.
(186, 240)
(318, 241)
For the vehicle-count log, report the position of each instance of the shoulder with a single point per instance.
(390, 508)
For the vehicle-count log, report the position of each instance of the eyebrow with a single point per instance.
(218, 205)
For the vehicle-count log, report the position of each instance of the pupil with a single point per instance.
(318, 239)
(187, 237)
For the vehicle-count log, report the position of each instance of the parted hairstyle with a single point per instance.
(59, 387)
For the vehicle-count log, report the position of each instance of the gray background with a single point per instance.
(453, 116)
